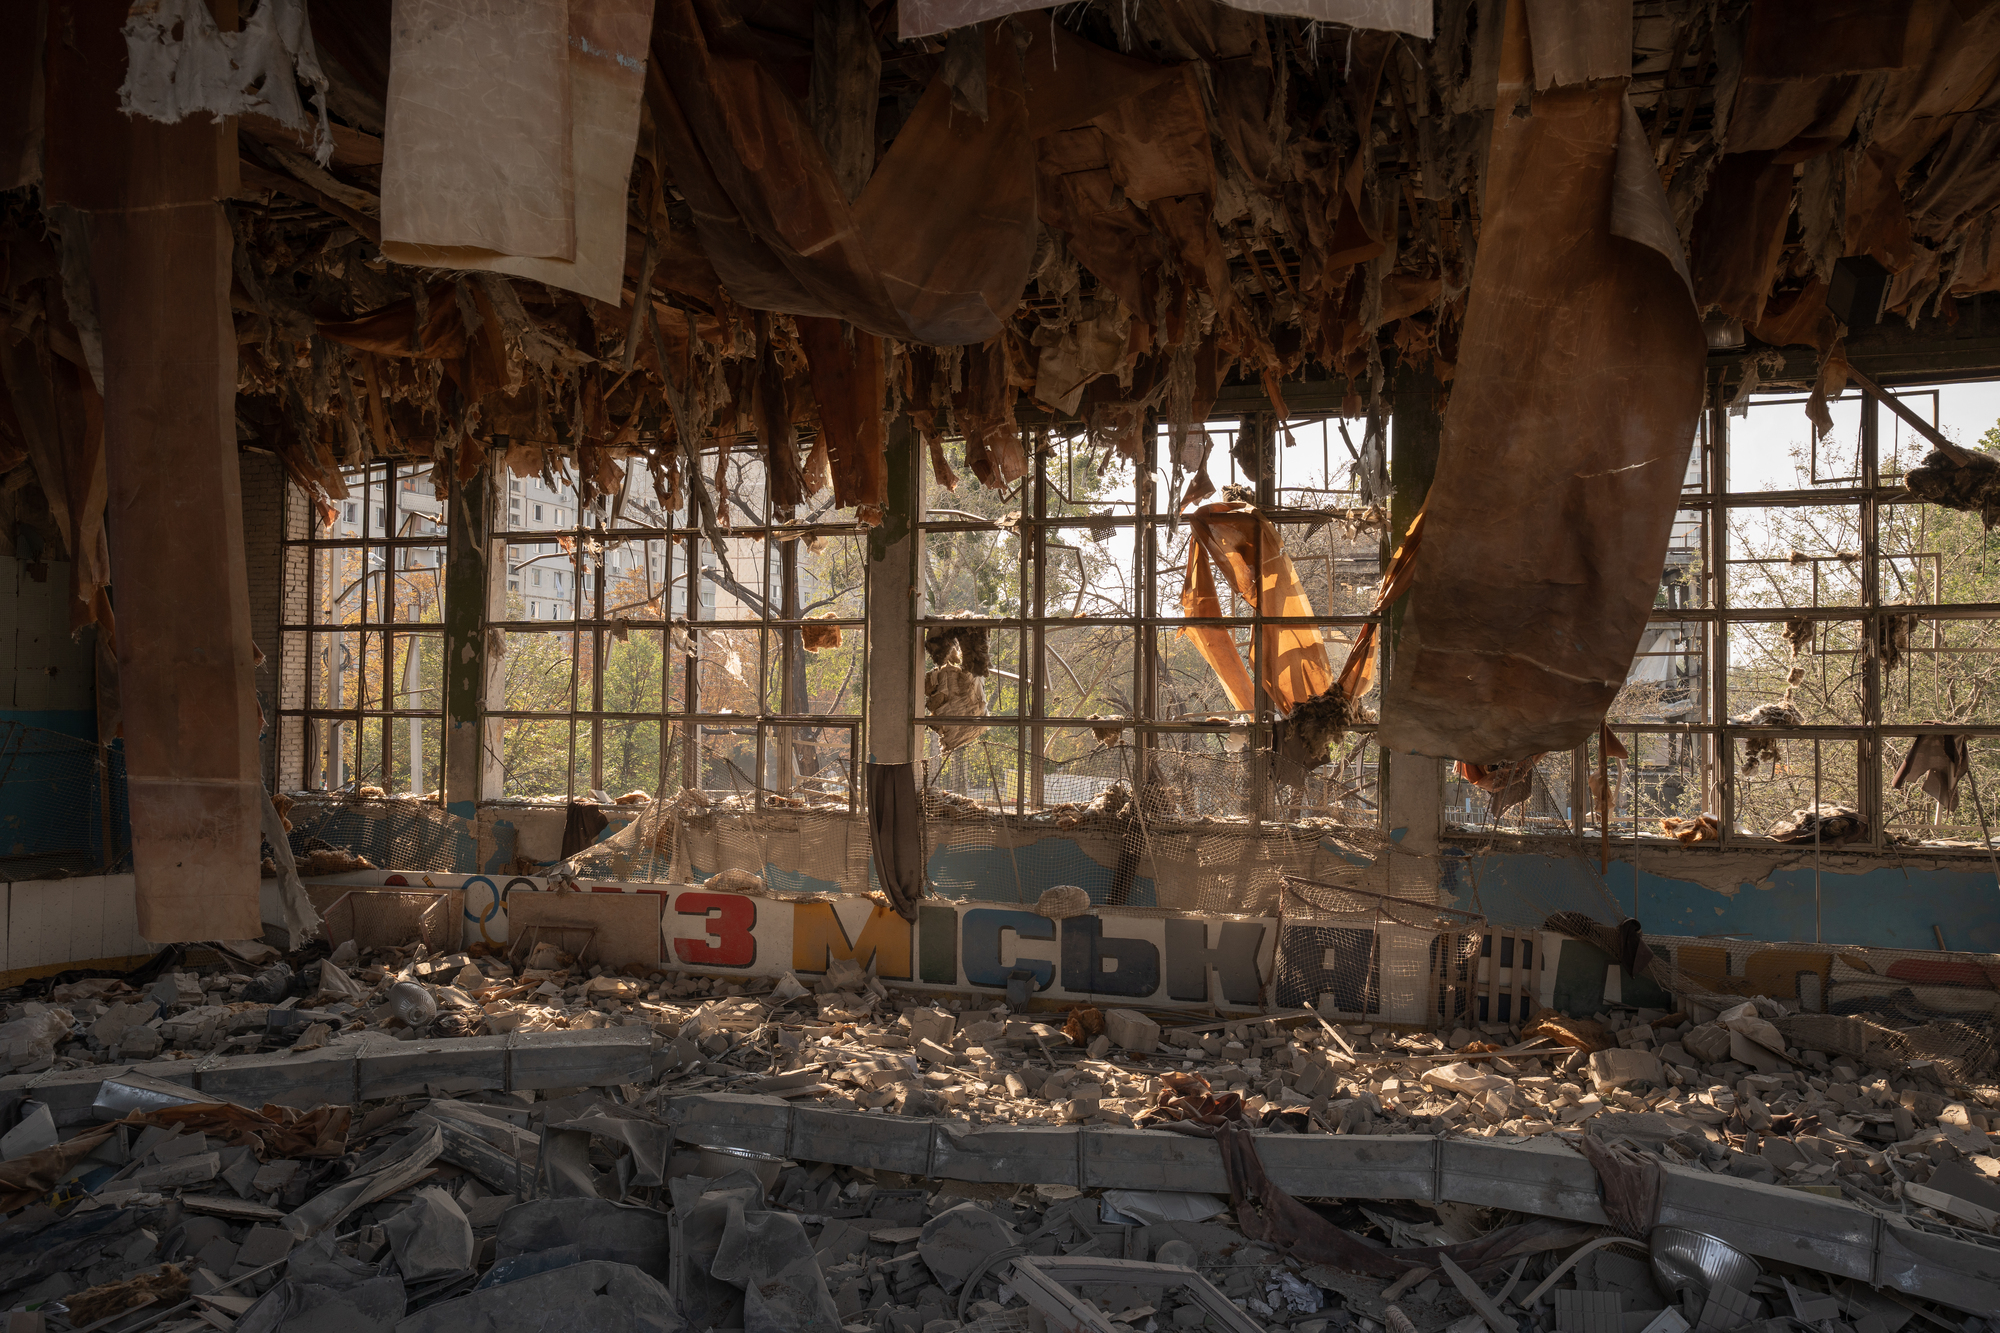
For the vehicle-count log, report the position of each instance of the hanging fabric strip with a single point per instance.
(920, 18)
(1239, 538)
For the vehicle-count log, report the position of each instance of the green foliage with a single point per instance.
(629, 667)
(1948, 672)
(1087, 572)
(378, 670)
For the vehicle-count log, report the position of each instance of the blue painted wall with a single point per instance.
(50, 799)
(80, 723)
(1890, 907)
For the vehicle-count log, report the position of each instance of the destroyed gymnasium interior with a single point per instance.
(959, 666)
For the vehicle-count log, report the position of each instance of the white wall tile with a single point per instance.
(50, 922)
(26, 946)
(121, 918)
(85, 910)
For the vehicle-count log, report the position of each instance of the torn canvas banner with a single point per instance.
(920, 18)
(1577, 395)
(510, 134)
(1571, 43)
(23, 101)
(179, 63)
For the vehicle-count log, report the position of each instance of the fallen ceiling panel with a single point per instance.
(476, 153)
(1564, 445)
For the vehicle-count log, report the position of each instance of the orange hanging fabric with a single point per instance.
(1357, 677)
(1252, 555)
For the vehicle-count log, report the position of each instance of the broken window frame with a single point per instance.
(685, 725)
(1879, 741)
(305, 728)
(1146, 524)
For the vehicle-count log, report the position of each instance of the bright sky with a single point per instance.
(1761, 443)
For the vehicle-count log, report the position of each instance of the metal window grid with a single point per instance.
(1139, 528)
(761, 577)
(1720, 625)
(361, 635)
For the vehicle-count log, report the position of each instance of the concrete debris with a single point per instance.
(36, 1132)
(1062, 901)
(431, 1237)
(1148, 1206)
(29, 1036)
(454, 1203)
(596, 1295)
(1623, 1067)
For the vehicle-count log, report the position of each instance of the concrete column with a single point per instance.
(1413, 794)
(160, 271)
(895, 599)
(468, 589)
(1415, 428)
(178, 573)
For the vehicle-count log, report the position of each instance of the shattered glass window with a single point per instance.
(1819, 666)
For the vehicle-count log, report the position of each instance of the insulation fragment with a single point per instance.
(256, 71)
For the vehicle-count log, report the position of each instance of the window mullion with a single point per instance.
(1869, 759)
(1718, 629)
(1034, 548)
(600, 646)
(1145, 610)
(1255, 774)
(389, 638)
(690, 544)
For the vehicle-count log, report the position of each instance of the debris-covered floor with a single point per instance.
(153, 1205)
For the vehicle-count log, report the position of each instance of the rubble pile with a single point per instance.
(496, 1211)
(173, 1209)
(1729, 1094)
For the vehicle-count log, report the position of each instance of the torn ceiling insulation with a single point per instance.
(613, 228)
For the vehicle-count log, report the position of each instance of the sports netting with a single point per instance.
(1188, 839)
(392, 833)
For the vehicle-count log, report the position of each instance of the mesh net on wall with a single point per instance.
(696, 835)
(1186, 842)
(62, 806)
(1347, 947)
(393, 834)
(1191, 829)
